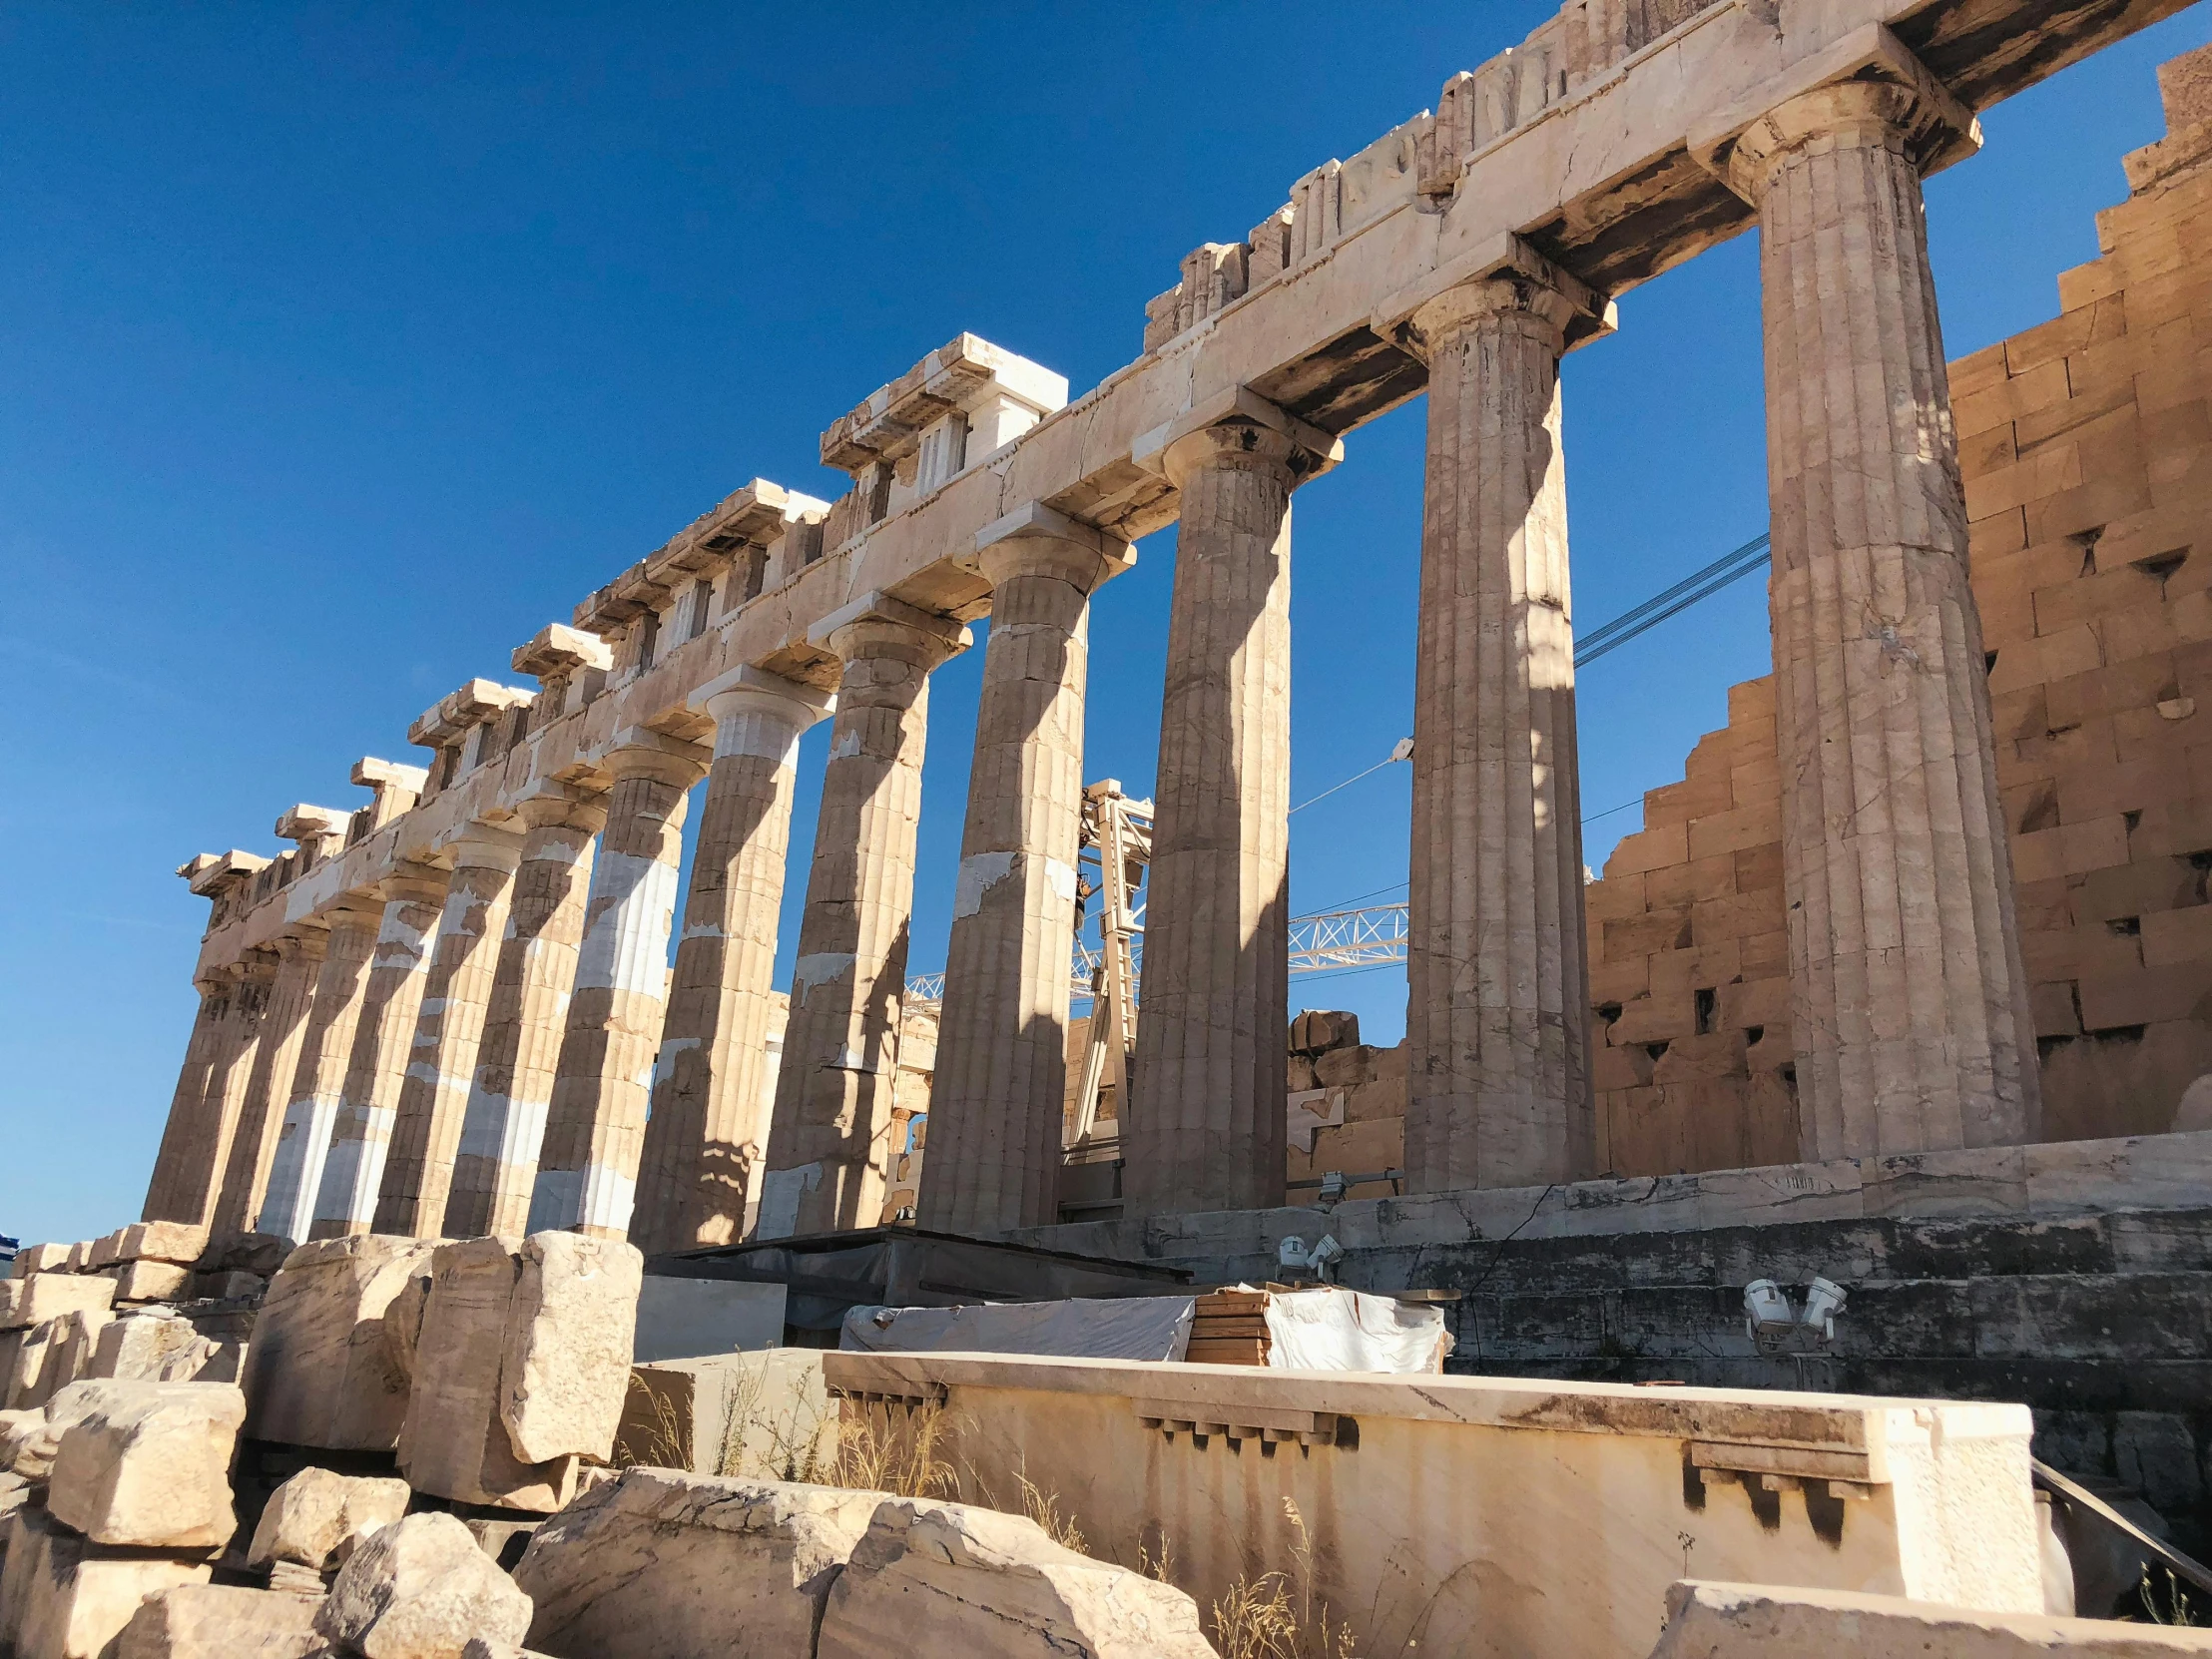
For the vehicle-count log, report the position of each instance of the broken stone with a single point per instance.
(662, 1562)
(503, 1541)
(421, 1589)
(1752, 1621)
(955, 1578)
(150, 1347)
(62, 1597)
(478, 1648)
(57, 1354)
(220, 1621)
(39, 1257)
(176, 1242)
(20, 1434)
(48, 1295)
(565, 1366)
(259, 1253)
(228, 1287)
(403, 1322)
(313, 1512)
(149, 1468)
(150, 1281)
(318, 1374)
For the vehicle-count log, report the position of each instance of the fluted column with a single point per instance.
(703, 1140)
(245, 988)
(1908, 1002)
(283, 1029)
(1204, 1127)
(997, 1096)
(433, 1097)
(183, 1133)
(318, 1081)
(360, 1135)
(503, 1124)
(1498, 1004)
(588, 1168)
(828, 1142)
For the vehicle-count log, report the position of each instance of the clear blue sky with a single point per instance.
(342, 348)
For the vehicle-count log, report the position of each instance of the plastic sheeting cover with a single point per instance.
(1122, 1328)
(1333, 1328)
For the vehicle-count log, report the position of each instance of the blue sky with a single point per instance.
(344, 347)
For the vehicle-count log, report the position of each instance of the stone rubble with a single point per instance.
(420, 1589)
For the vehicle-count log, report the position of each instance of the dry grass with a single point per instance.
(664, 1435)
(1276, 1615)
(895, 1449)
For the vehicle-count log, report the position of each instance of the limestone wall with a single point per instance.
(2087, 452)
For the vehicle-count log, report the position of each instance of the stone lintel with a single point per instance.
(1237, 405)
(1943, 129)
(374, 773)
(560, 650)
(214, 872)
(304, 823)
(450, 719)
(956, 377)
(1592, 315)
(881, 607)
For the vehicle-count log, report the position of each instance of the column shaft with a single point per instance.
(318, 1081)
(182, 1134)
(1908, 1000)
(587, 1171)
(1497, 1005)
(283, 1029)
(345, 1200)
(434, 1098)
(710, 1115)
(503, 1124)
(996, 1098)
(827, 1145)
(246, 986)
(1205, 1125)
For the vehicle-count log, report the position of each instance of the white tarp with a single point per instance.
(1333, 1328)
(1118, 1328)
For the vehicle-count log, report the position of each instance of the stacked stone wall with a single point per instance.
(2087, 449)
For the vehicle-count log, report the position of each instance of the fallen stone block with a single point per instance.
(150, 1467)
(21, 1435)
(39, 1257)
(47, 1296)
(421, 1589)
(80, 1257)
(259, 1253)
(15, 1491)
(566, 1364)
(150, 1281)
(228, 1287)
(955, 1578)
(681, 1564)
(70, 1346)
(156, 1347)
(63, 1597)
(317, 1372)
(1754, 1621)
(220, 1621)
(760, 1416)
(316, 1510)
(177, 1242)
(19, 1389)
(105, 1249)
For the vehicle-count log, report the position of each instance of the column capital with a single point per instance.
(487, 846)
(639, 752)
(555, 804)
(746, 690)
(875, 625)
(1036, 541)
(1504, 277)
(1237, 428)
(1867, 88)
(421, 883)
(308, 942)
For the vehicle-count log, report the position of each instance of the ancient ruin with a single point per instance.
(491, 1135)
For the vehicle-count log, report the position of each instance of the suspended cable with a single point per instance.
(1702, 584)
(1403, 750)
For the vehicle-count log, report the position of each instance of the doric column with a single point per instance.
(427, 1126)
(588, 1167)
(1908, 1002)
(183, 1133)
(996, 1099)
(828, 1138)
(512, 1089)
(283, 1029)
(318, 1081)
(1204, 1127)
(345, 1200)
(1497, 1005)
(703, 1140)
